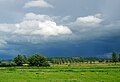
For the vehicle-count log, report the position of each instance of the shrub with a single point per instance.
(7, 64)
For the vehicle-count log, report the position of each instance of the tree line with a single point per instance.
(22, 60)
(115, 57)
(39, 60)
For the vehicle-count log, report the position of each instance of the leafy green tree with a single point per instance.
(114, 57)
(119, 58)
(19, 60)
(37, 60)
(25, 59)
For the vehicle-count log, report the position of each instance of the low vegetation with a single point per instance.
(104, 72)
(37, 68)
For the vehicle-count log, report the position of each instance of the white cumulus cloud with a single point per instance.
(38, 3)
(32, 16)
(40, 25)
(89, 20)
(32, 28)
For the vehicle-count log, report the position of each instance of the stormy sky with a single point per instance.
(59, 27)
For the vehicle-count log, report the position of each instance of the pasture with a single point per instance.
(62, 73)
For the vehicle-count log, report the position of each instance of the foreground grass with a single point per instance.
(73, 73)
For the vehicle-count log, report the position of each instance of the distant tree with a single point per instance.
(114, 57)
(37, 60)
(101, 60)
(19, 60)
(25, 59)
(119, 58)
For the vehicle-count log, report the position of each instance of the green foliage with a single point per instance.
(19, 60)
(69, 60)
(119, 58)
(114, 57)
(37, 60)
(7, 64)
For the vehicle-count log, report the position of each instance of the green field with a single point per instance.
(63, 73)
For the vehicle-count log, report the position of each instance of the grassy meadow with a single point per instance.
(62, 73)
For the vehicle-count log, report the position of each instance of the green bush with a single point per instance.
(7, 64)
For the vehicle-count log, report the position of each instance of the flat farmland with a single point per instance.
(62, 73)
